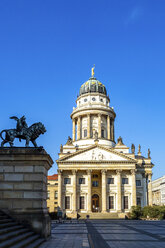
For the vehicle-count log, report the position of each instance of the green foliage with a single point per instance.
(157, 212)
(136, 212)
(154, 212)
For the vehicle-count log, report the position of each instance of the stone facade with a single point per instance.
(94, 173)
(158, 191)
(52, 193)
(23, 186)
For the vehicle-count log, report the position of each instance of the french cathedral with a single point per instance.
(96, 175)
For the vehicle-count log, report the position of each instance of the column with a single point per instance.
(108, 128)
(89, 190)
(104, 191)
(150, 189)
(133, 173)
(74, 130)
(78, 128)
(144, 190)
(118, 172)
(112, 131)
(60, 189)
(74, 190)
(88, 126)
(99, 125)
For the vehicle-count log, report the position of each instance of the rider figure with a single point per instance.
(21, 124)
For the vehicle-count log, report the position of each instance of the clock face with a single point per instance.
(85, 100)
(93, 99)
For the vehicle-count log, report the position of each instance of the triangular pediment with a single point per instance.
(96, 153)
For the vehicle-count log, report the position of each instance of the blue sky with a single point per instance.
(47, 49)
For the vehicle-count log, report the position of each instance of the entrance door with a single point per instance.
(95, 203)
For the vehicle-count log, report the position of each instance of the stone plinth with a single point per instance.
(23, 186)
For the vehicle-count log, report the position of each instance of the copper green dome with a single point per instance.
(92, 85)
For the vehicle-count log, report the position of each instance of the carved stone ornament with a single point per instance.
(22, 132)
(104, 171)
(133, 171)
(118, 171)
(89, 172)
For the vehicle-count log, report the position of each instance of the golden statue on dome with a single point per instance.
(92, 71)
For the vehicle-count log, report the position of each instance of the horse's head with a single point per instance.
(41, 127)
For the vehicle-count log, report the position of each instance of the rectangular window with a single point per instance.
(67, 181)
(95, 176)
(82, 202)
(124, 180)
(85, 133)
(48, 194)
(110, 181)
(125, 202)
(55, 194)
(95, 183)
(81, 180)
(138, 182)
(67, 202)
(138, 201)
(111, 202)
(102, 133)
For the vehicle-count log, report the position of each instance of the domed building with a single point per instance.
(96, 176)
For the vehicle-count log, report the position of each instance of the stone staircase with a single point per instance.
(99, 216)
(14, 235)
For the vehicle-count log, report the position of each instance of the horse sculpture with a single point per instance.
(29, 134)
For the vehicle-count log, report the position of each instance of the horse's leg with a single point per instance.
(34, 143)
(27, 142)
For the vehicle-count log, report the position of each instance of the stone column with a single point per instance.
(60, 189)
(118, 190)
(144, 190)
(88, 126)
(74, 130)
(104, 191)
(99, 125)
(74, 190)
(89, 190)
(133, 173)
(78, 128)
(112, 131)
(150, 189)
(108, 128)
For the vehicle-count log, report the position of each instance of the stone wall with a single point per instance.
(23, 186)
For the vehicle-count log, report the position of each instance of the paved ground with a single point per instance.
(107, 234)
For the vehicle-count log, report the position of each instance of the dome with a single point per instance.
(92, 85)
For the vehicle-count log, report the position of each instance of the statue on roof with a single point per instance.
(22, 131)
(133, 148)
(69, 141)
(149, 153)
(139, 148)
(120, 141)
(92, 71)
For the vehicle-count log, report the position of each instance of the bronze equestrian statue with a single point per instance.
(22, 131)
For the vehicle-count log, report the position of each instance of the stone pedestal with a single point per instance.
(23, 186)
